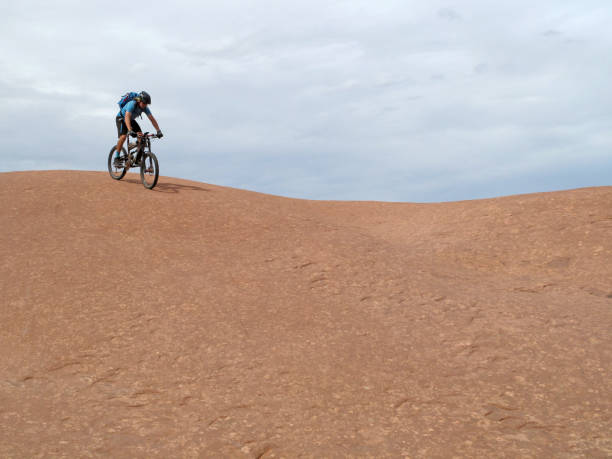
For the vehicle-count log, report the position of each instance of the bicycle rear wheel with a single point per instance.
(116, 166)
(149, 170)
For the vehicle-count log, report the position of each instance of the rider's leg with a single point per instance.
(121, 134)
(137, 130)
(120, 144)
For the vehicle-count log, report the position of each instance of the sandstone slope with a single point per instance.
(198, 320)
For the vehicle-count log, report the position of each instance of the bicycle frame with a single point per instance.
(143, 145)
(138, 155)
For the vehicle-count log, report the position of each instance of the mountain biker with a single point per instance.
(126, 124)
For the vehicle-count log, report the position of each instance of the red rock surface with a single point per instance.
(197, 320)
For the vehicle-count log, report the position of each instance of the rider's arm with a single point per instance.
(128, 120)
(153, 121)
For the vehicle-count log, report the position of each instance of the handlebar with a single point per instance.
(147, 135)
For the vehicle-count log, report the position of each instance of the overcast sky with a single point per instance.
(320, 99)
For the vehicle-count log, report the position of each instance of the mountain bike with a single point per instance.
(138, 155)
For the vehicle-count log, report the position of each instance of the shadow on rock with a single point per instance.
(176, 188)
(166, 187)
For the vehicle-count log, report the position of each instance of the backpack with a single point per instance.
(128, 96)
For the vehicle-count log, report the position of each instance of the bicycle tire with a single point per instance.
(116, 173)
(149, 179)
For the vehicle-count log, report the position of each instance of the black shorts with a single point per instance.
(122, 127)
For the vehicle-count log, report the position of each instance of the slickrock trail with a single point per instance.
(197, 320)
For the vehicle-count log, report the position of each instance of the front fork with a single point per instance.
(140, 150)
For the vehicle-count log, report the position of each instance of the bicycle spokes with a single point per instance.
(149, 170)
(116, 164)
(148, 165)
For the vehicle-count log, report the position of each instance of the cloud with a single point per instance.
(327, 100)
(448, 14)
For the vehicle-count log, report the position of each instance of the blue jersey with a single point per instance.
(134, 109)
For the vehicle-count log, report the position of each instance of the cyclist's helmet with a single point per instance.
(145, 97)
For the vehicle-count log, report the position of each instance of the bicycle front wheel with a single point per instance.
(116, 166)
(149, 170)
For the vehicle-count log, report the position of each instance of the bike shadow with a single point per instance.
(168, 187)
